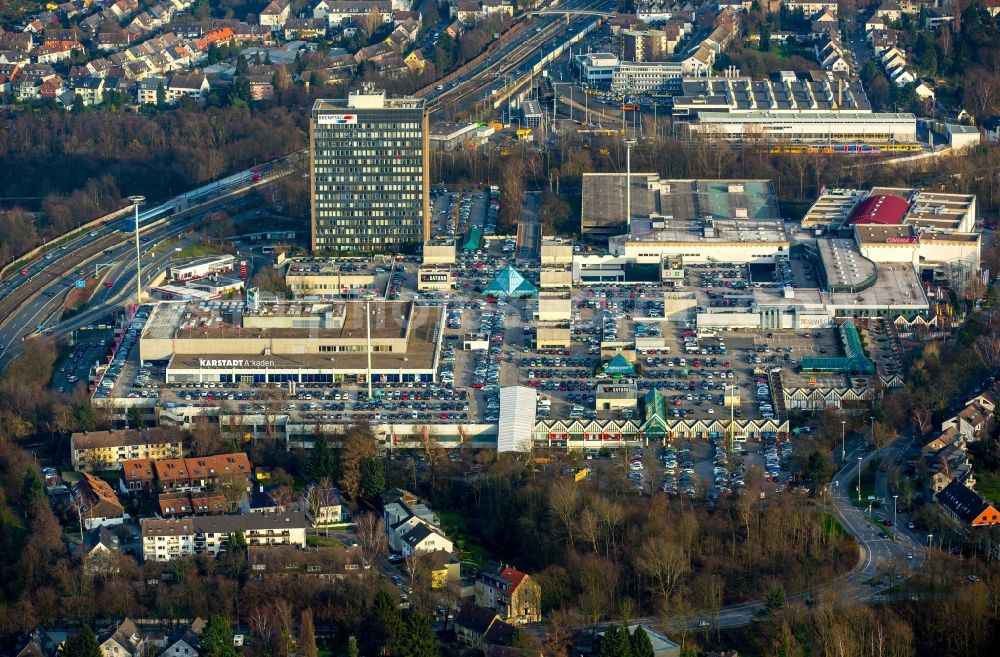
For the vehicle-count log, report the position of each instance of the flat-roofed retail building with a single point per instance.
(303, 342)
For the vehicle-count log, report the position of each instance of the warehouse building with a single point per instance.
(832, 128)
(790, 95)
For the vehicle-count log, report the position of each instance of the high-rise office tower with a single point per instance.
(368, 173)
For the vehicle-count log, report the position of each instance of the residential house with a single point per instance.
(423, 539)
(699, 62)
(936, 17)
(974, 419)
(35, 27)
(889, 11)
(881, 39)
(345, 12)
(21, 41)
(112, 41)
(96, 502)
(967, 507)
(165, 540)
(52, 52)
(455, 29)
(105, 450)
(187, 503)
(26, 87)
(323, 506)
(924, 91)
(52, 88)
(194, 86)
(473, 623)
(43, 643)
(11, 56)
(467, 12)
(991, 129)
(491, 7)
(825, 21)
(512, 594)
(90, 90)
(102, 548)
(321, 9)
(146, 91)
(416, 60)
(304, 28)
(185, 642)
(445, 569)
(184, 474)
(323, 563)
(809, 8)
(261, 86)
(830, 54)
(374, 53)
(123, 640)
(275, 14)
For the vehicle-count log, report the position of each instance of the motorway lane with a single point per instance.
(61, 266)
(520, 54)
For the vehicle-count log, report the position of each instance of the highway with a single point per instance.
(512, 60)
(37, 290)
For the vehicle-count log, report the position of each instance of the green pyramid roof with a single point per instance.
(619, 366)
(510, 283)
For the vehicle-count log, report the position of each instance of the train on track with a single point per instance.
(200, 195)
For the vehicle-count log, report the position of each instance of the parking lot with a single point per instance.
(91, 347)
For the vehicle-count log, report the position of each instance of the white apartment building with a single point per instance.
(166, 540)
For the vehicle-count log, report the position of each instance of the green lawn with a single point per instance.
(199, 251)
(988, 485)
(322, 541)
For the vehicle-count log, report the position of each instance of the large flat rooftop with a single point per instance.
(227, 319)
(680, 210)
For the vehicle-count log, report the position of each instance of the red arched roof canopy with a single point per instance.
(883, 209)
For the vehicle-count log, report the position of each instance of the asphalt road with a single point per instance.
(53, 274)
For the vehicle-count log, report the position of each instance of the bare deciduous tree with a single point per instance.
(564, 498)
(370, 531)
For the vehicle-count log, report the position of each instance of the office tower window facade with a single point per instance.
(368, 168)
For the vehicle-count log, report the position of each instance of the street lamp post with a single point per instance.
(894, 500)
(843, 443)
(929, 537)
(629, 143)
(137, 200)
(859, 480)
(872, 418)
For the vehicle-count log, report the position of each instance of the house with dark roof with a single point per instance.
(967, 507)
(474, 627)
(424, 539)
(194, 86)
(185, 642)
(42, 643)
